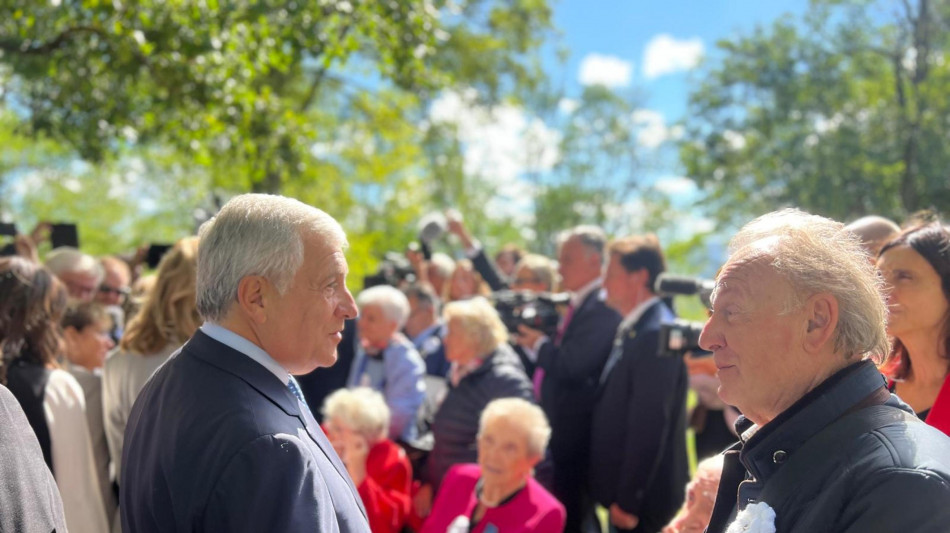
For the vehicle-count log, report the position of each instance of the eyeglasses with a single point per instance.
(122, 292)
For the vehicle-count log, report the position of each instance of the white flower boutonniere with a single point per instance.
(755, 518)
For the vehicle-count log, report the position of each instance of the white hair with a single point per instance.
(522, 413)
(67, 259)
(390, 300)
(479, 322)
(361, 409)
(256, 235)
(815, 255)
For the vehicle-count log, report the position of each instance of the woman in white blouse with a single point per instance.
(32, 302)
(165, 321)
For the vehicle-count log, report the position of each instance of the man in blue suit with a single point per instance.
(220, 439)
(639, 466)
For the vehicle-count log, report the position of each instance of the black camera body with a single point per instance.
(681, 336)
(678, 337)
(393, 270)
(537, 310)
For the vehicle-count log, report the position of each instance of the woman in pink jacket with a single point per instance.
(499, 493)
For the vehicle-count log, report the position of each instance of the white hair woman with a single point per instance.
(500, 491)
(484, 368)
(357, 422)
(387, 361)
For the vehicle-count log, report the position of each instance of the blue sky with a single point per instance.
(651, 48)
(625, 28)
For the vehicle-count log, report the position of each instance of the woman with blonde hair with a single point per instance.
(165, 321)
(484, 368)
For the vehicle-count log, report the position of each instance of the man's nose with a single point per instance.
(710, 339)
(348, 306)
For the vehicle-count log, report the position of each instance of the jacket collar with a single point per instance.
(250, 371)
(766, 448)
(233, 362)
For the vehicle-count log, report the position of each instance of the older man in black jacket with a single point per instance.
(797, 311)
(638, 443)
(571, 364)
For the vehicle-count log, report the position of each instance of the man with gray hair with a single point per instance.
(797, 316)
(81, 273)
(221, 439)
(569, 368)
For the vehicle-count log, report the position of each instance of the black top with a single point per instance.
(27, 381)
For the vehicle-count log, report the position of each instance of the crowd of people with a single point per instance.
(242, 387)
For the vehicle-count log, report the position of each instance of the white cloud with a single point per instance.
(500, 145)
(666, 55)
(675, 185)
(611, 71)
(652, 130)
(567, 105)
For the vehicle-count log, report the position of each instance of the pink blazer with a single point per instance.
(533, 510)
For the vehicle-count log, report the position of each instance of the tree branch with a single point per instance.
(30, 47)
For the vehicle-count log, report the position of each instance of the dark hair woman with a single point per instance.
(916, 267)
(32, 303)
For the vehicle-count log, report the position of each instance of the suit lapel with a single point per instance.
(236, 363)
(320, 439)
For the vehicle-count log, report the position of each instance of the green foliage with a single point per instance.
(840, 112)
(319, 99)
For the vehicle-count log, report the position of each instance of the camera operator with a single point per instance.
(571, 364)
(537, 274)
(638, 442)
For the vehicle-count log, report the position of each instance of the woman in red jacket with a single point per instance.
(916, 267)
(357, 423)
(499, 494)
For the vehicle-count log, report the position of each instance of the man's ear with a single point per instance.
(70, 334)
(821, 311)
(252, 300)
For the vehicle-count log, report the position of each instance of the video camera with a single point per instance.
(393, 270)
(681, 336)
(537, 310)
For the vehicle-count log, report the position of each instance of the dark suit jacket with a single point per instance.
(638, 444)
(216, 443)
(29, 499)
(484, 266)
(572, 371)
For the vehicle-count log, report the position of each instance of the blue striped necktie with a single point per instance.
(295, 389)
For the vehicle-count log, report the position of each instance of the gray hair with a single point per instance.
(390, 300)
(592, 237)
(479, 322)
(424, 296)
(256, 235)
(523, 413)
(67, 259)
(816, 254)
(362, 409)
